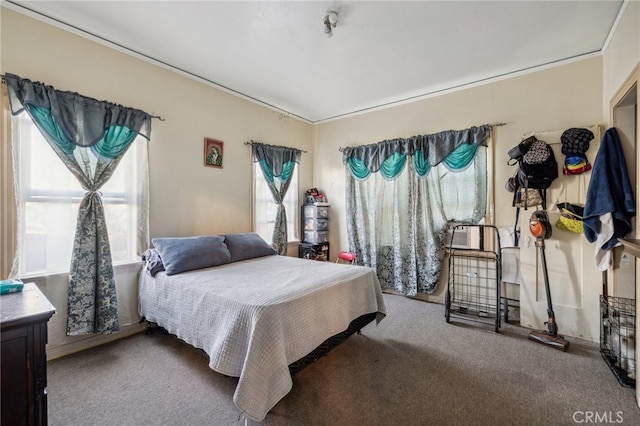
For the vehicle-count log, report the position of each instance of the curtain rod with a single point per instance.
(490, 125)
(150, 115)
(251, 142)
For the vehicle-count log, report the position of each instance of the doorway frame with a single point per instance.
(632, 80)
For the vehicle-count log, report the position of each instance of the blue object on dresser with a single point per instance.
(10, 286)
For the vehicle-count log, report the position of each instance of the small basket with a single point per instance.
(569, 221)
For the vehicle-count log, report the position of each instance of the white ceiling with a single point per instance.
(381, 52)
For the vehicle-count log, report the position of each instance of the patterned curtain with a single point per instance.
(399, 206)
(277, 164)
(90, 137)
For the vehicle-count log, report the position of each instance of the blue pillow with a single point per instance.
(189, 253)
(247, 246)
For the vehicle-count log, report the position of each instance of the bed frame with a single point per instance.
(354, 328)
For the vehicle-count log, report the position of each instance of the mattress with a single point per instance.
(255, 317)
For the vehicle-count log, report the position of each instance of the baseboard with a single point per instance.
(59, 351)
(438, 297)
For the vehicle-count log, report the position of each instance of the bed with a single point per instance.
(254, 313)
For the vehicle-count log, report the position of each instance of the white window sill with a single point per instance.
(120, 268)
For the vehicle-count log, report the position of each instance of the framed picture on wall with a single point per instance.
(213, 150)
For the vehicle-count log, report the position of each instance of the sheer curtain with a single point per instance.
(400, 197)
(89, 137)
(277, 164)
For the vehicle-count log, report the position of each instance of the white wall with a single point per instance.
(572, 95)
(569, 95)
(622, 54)
(186, 197)
(557, 98)
(620, 59)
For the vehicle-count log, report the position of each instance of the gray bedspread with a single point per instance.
(255, 317)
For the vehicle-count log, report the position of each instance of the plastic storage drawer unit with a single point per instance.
(311, 224)
(316, 237)
(316, 211)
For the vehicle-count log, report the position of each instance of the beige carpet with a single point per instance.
(411, 369)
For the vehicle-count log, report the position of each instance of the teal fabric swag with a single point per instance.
(455, 148)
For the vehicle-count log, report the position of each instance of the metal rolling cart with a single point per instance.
(474, 280)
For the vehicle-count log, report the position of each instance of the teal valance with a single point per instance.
(287, 170)
(276, 161)
(456, 149)
(113, 143)
(76, 120)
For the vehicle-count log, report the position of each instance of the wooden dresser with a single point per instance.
(23, 334)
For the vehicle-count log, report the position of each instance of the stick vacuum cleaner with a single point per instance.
(540, 228)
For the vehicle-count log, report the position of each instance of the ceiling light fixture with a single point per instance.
(330, 21)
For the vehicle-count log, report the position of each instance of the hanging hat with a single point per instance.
(575, 144)
(576, 165)
(575, 141)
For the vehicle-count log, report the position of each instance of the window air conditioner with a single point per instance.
(464, 237)
(459, 239)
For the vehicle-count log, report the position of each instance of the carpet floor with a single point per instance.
(411, 369)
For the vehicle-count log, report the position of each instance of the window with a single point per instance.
(48, 199)
(264, 208)
(395, 225)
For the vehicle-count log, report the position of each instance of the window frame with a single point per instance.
(134, 165)
(291, 205)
